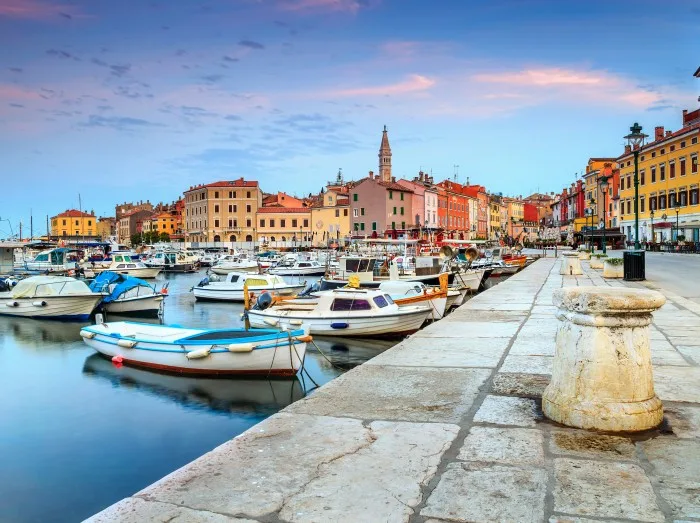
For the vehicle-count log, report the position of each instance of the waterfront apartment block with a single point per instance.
(223, 211)
(669, 177)
(74, 224)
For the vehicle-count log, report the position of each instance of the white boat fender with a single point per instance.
(296, 322)
(11, 304)
(127, 344)
(39, 303)
(241, 347)
(271, 322)
(198, 354)
(87, 334)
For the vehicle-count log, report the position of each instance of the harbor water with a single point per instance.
(78, 433)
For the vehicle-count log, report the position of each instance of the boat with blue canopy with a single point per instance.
(127, 295)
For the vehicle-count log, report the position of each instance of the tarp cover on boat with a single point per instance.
(36, 286)
(119, 285)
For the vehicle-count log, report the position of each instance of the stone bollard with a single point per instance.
(602, 367)
(570, 264)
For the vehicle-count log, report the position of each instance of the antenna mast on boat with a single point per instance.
(31, 225)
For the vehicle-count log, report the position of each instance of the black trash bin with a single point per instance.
(634, 265)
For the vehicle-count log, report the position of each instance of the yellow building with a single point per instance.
(222, 211)
(495, 210)
(291, 225)
(594, 169)
(75, 224)
(669, 177)
(516, 216)
(106, 227)
(330, 218)
(164, 222)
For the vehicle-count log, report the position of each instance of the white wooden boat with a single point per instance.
(172, 261)
(125, 264)
(406, 294)
(231, 289)
(196, 351)
(299, 268)
(342, 312)
(50, 297)
(469, 278)
(58, 261)
(234, 263)
(128, 296)
(452, 296)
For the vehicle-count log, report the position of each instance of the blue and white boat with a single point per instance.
(263, 352)
(127, 295)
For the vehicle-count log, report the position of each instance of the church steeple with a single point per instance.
(385, 158)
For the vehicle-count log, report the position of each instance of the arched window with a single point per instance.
(232, 238)
(272, 238)
(249, 238)
(217, 238)
(284, 238)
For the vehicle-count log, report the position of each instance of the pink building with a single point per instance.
(380, 208)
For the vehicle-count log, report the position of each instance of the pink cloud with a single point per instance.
(14, 93)
(351, 6)
(34, 9)
(414, 83)
(596, 86)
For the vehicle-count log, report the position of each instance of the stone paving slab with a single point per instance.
(447, 427)
(488, 492)
(397, 393)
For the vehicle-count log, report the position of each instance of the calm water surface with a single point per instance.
(78, 434)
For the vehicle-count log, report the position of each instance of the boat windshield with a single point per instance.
(348, 304)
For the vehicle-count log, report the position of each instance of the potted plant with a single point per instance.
(597, 260)
(584, 254)
(613, 268)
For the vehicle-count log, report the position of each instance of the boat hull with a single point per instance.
(147, 273)
(437, 304)
(72, 308)
(148, 306)
(223, 270)
(274, 358)
(432, 280)
(405, 322)
(315, 271)
(214, 292)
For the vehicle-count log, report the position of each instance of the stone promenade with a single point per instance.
(447, 426)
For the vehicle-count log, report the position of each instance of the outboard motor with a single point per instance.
(309, 289)
(203, 282)
(264, 301)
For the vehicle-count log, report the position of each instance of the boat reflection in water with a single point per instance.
(227, 396)
(38, 333)
(347, 353)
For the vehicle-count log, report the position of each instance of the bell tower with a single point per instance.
(385, 158)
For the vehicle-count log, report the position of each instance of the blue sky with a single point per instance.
(132, 100)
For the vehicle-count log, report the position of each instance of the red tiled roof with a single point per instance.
(231, 183)
(281, 210)
(651, 145)
(389, 185)
(73, 213)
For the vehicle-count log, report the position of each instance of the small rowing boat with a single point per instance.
(263, 352)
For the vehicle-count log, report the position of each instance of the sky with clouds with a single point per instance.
(139, 99)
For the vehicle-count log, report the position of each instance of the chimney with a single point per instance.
(420, 175)
(371, 175)
(658, 132)
(393, 179)
(668, 133)
(628, 149)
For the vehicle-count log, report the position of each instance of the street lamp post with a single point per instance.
(651, 215)
(591, 203)
(636, 139)
(677, 207)
(604, 187)
(664, 217)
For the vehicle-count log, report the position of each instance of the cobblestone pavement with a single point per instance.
(447, 426)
